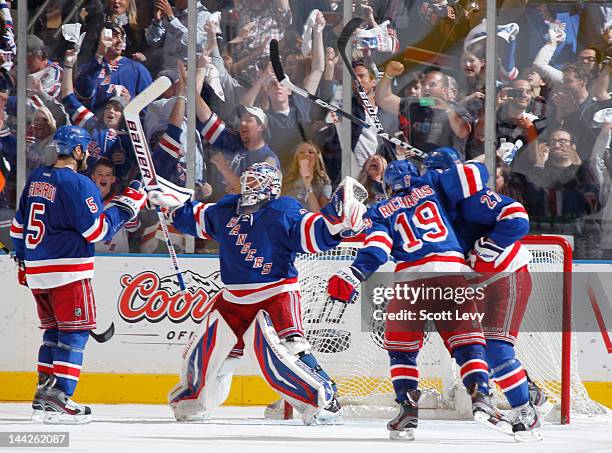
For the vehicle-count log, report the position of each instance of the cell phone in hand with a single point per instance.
(108, 34)
(515, 94)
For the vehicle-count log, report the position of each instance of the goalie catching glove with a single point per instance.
(131, 200)
(169, 197)
(483, 256)
(345, 210)
(343, 286)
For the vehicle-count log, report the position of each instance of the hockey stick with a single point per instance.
(284, 80)
(104, 336)
(99, 337)
(131, 113)
(370, 110)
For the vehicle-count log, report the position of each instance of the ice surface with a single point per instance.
(151, 428)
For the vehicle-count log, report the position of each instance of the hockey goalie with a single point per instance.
(259, 234)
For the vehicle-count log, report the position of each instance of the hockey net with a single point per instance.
(360, 367)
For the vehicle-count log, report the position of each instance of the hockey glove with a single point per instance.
(345, 209)
(483, 256)
(131, 200)
(343, 286)
(167, 196)
(21, 273)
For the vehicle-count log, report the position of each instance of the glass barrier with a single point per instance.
(421, 71)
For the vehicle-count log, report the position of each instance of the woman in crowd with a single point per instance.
(371, 177)
(306, 179)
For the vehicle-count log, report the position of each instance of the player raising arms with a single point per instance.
(490, 226)
(413, 228)
(259, 235)
(59, 219)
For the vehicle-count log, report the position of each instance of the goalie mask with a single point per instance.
(260, 183)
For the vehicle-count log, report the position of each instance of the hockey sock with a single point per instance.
(473, 366)
(508, 372)
(45, 352)
(404, 373)
(68, 358)
(311, 361)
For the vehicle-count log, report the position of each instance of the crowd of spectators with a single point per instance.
(421, 64)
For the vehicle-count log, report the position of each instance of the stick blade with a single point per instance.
(148, 95)
(104, 336)
(275, 60)
(347, 32)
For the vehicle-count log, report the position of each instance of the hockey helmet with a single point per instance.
(399, 173)
(442, 159)
(67, 138)
(260, 183)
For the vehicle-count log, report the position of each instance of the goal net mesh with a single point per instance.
(360, 367)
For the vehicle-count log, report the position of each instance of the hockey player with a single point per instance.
(413, 228)
(259, 235)
(60, 218)
(490, 226)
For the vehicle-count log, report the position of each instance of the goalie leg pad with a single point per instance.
(297, 382)
(198, 393)
(508, 372)
(300, 347)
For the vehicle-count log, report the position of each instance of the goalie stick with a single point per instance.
(131, 113)
(284, 80)
(99, 337)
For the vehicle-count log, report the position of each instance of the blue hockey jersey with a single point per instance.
(477, 211)
(59, 219)
(257, 251)
(413, 227)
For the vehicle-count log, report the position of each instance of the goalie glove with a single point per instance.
(483, 256)
(343, 286)
(131, 200)
(167, 196)
(345, 209)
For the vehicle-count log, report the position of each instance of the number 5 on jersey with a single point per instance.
(426, 218)
(35, 225)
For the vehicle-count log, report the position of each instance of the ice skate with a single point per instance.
(539, 399)
(331, 414)
(402, 427)
(526, 423)
(275, 410)
(487, 414)
(189, 411)
(45, 382)
(60, 409)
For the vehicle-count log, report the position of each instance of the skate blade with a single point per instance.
(56, 418)
(533, 435)
(501, 425)
(406, 435)
(329, 421)
(38, 416)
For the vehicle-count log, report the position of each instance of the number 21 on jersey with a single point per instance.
(426, 218)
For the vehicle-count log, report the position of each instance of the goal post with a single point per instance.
(356, 361)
